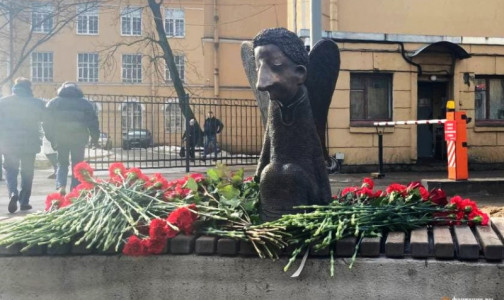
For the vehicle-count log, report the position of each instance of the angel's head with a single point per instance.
(281, 63)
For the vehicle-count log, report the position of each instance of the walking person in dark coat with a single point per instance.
(20, 139)
(192, 133)
(71, 120)
(212, 127)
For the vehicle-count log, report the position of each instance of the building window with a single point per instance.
(132, 68)
(174, 22)
(489, 100)
(87, 65)
(131, 21)
(173, 116)
(42, 17)
(370, 98)
(42, 66)
(131, 116)
(87, 18)
(180, 64)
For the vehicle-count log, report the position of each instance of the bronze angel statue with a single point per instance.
(294, 91)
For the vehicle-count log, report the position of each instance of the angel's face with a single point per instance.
(277, 74)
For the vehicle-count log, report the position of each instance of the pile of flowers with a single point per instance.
(136, 214)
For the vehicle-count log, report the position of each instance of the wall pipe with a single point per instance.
(401, 45)
(216, 51)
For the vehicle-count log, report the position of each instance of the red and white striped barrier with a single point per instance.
(411, 122)
(451, 154)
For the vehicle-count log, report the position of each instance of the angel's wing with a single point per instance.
(323, 72)
(247, 55)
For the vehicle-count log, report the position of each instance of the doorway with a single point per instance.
(432, 97)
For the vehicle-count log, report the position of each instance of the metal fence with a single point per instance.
(161, 123)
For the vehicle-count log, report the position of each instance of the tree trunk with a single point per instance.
(155, 7)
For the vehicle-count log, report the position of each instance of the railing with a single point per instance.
(156, 125)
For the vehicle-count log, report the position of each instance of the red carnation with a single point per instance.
(53, 200)
(248, 179)
(438, 196)
(365, 192)
(155, 246)
(183, 218)
(423, 193)
(170, 232)
(378, 193)
(368, 182)
(117, 169)
(135, 247)
(182, 181)
(157, 229)
(197, 176)
(134, 173)
(159, 182)
(83, 172)
(398, 188)
(349, 189)
(83, 186)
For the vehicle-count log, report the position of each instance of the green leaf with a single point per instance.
(191, 184)
(231, 203)
(212, 174)
(237, 177)
(229, 192)
(250, 204)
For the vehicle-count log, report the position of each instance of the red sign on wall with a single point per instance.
(450, 130)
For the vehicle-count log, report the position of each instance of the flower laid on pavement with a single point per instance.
(137, 213)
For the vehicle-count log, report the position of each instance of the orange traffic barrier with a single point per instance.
(456, 142)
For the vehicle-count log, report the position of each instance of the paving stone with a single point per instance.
(35, 251)
(498, 225)
(81, 249)
(443, 242)
(205, 245)
(490, 242)
(182, 244)
(370, 247)
(468, 247)
(287, 251)
(246, 249)
(227, 246)
(320, 253)
(419, 243)
(10, 251)
(394, 245)
(345, 247)
(110, 251)
(63, 249)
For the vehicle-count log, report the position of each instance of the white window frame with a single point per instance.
(180, 63)
(44, 67)
(174, 22)
(42, 17)
(133, 16)
(173, 118)
(131, 72)
(88, 67)
(131, 115)
(88, 16)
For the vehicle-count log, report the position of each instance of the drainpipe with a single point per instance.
(216, 51)
(401, 46)
(333, 15)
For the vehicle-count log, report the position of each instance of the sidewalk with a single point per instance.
(42, 186)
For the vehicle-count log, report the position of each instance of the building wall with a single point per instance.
(427, 17)
(235, 23)
(360, 144)
(475, 26)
